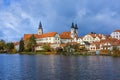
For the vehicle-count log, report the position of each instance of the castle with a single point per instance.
(53, 38)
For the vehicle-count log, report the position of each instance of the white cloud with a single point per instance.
(108, 17)
(23, 16)
(10, 21)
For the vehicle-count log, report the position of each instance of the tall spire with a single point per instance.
(40, 26)
(72, 25)
(76, 26)
(40, 29)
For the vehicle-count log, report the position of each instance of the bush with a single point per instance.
(14, 51)
(116, 52)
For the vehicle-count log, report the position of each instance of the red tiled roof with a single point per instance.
(49, 34)
(117, 31)
(65, 35)
(97, 44)
(82, 37)
(27, 36)
(93, 35)
(112, 41)
(99, 35)
(96, 35)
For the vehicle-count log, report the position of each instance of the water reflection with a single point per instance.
(58, 67)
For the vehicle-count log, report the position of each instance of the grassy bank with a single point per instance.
(65, 53)
(46, 53)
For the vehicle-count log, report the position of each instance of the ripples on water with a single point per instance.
(58, 67)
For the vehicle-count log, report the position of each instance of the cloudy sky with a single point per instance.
(23, 16)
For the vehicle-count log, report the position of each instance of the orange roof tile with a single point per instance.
(112, 41)
(49, 34)
(99, 35)
(93, 35)
(27, 36)
(82, 37)
(97, 44)
(116, 31)
(96, 35)
(65, 35)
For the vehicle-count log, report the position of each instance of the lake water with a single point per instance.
(58, 67)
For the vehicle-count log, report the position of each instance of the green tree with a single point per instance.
(72, 48)
(9, 47)
(21, 46)
(2, 44)
(46, 48)
(116, 51)
(31, 43)
(75, 47)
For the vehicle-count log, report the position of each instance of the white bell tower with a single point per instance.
(72, 31)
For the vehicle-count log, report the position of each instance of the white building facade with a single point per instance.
(93, 38)
(116, 34)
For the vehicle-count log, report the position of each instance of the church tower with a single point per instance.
(40, 29)
(74, 30)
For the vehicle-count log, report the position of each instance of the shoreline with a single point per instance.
(61, 53)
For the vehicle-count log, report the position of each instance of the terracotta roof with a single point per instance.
(93, 35)
(82, 37)
(96, 35)
(116, 31)
(65, 35)
(97, 44)
(112, 41)
(49, 34)
(27, 36)
(99, 35)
